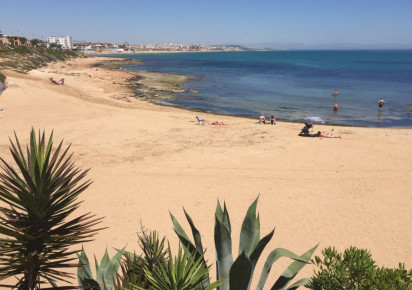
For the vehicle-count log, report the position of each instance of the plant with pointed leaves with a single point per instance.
(106, 272)
(182, 272)
(238, 274)
(37, 230)
(134, 267)
(157, 268)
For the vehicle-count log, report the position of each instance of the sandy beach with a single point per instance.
(147, 160)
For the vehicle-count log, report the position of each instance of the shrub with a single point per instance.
(356, 269)
(155, 269)
(2, 77)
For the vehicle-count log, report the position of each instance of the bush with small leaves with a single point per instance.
(355, 269)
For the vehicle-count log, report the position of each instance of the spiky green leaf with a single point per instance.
(250, 231)
(241, 273)
(224, 258)
(293, 269)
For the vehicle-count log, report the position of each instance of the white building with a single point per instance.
(65, 41)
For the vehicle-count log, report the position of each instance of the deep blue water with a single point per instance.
(293, 84)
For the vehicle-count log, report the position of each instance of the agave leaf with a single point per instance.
(272, 258)
(254, 257)
(219, 211)
(199, 247)
(293, 269)
(110, 271)
(84, 271)
(250, 232)
(188, 244)
(226, 219)
(297, 284)
(178, 228)
(241, 273)
(224, 259)
(195, 233)
(223, 216)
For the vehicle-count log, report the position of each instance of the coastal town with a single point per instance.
(66, 42)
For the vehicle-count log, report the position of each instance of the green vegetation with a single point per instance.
(156, 268)
(2, 77)
(23, 59)
(105, 272)
(356, 269)
(37, 228)
(238, 275)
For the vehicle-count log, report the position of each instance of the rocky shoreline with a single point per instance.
(145, 85)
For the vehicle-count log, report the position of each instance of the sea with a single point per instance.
(293, 85)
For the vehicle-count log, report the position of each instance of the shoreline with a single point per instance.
(148, 160)
(158, 100)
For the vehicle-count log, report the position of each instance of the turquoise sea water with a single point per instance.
(293, 84)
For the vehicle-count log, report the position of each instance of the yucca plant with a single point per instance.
(134, 267)
(238, 274)
(156, 268)
(35, 224)
(182, 272)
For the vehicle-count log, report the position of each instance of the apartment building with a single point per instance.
(65, 41)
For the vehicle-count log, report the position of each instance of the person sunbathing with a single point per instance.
(262, 119)
(53, 81)
(217, 123)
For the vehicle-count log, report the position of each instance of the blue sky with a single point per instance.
(255, 23)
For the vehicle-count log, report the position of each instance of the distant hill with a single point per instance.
(24, 59)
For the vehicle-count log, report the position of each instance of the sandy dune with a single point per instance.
(148, 160)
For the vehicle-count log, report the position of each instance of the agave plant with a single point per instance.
(238, 274)
(37, 228)
(106, 272)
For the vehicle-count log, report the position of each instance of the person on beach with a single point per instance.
(61, 82)
(262, 119)
(335, 107)
(272, 120)
(381, 102)
(53, 81)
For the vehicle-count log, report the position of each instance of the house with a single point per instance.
(4, 40)
(15, 40)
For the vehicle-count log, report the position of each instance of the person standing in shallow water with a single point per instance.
(381, 102)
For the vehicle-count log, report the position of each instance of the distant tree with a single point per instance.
(36, 42)
(23, 40)
(55, 46)
(11, 40)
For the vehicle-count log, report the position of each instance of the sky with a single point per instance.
(253, 23)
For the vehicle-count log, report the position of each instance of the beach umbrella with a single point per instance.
(314, 119)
